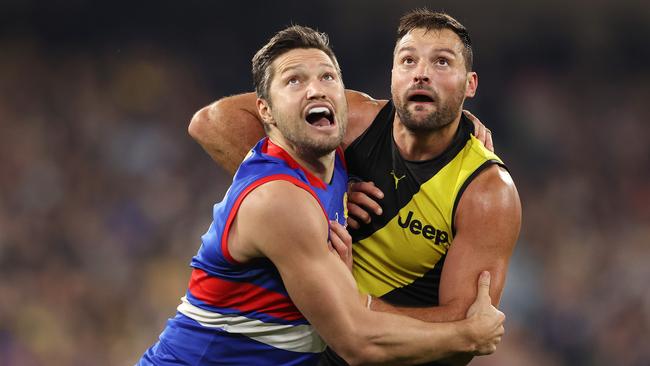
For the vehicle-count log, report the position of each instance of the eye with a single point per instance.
(293, 80)
(408, 60)
(328, 77)
(442, 62)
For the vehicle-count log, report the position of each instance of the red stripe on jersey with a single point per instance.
(242, 296)
(272, 149)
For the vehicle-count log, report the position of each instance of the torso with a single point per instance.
(241, 313)
(399, 256)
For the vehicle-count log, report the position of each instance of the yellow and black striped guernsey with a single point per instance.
(399, 256)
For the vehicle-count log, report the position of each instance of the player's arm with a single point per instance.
(228, 128)
(285, 223)
(487, 221)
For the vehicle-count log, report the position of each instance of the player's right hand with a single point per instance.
(481, 132)
(341, 242)
(485, 322)
(362, 199)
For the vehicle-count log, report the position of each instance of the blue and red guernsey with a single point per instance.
(240, 313)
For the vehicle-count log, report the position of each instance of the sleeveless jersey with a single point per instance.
(240, 313)
(399, 255)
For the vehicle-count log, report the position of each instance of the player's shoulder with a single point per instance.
(362, 110)
(493, 178)
(493, 190)
(278, 213)
(280, 200)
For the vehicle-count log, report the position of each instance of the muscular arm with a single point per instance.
(488, 219)
(487, 222)
(284, 223)
(228, 128)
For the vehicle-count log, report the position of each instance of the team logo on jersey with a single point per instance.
(249, 154)
(396, 178)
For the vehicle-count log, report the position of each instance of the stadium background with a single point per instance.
(103, 195)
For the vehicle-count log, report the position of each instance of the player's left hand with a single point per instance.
(362, 199)
(341, 242)
(481, 132)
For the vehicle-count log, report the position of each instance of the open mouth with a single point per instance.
(320, 117)
(420, 98)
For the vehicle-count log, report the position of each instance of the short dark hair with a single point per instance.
(427, 19)
(293, 37)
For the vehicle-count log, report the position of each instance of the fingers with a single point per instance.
(487, 320)
(484, 287)
(368, 188)
(364, 195)
(339, 247)
(362, 198)
(337, 230)
(353, 223)
(341, 242)
(479, 128)
(488, 141)
(358, 212)
(364, 202)
(481, 132)
(489, 344)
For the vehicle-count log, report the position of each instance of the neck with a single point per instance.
(321, 166)
(423, 145)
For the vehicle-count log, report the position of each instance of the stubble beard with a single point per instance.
(308, 145)
(445, 113)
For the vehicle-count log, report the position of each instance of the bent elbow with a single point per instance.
(197, 123)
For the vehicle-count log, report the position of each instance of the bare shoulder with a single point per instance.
(362, 110)
(491, 197)
(281, 199)
(278, 213)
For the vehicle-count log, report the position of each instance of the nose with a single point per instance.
(421, 78)
(422, 74)
(315, 90)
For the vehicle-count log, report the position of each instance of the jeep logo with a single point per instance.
(428, 231)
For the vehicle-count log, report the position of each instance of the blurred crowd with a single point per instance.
(104, 196)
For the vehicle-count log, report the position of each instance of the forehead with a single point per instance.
(422, 39)
(302, 58)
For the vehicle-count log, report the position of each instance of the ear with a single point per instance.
(471, 84)
(264, 109)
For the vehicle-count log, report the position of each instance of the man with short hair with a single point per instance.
(265, 285)
(430, 206)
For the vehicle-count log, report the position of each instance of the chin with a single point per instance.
(321, 147)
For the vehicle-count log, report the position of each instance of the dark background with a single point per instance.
(104, 196)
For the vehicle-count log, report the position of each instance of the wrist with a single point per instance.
(466, 339)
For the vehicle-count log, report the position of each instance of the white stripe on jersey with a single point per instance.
(297, 338)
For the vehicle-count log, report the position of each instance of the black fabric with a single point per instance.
(366, 161)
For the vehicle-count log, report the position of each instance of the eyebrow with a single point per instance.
(300, 66)
(411, 48)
